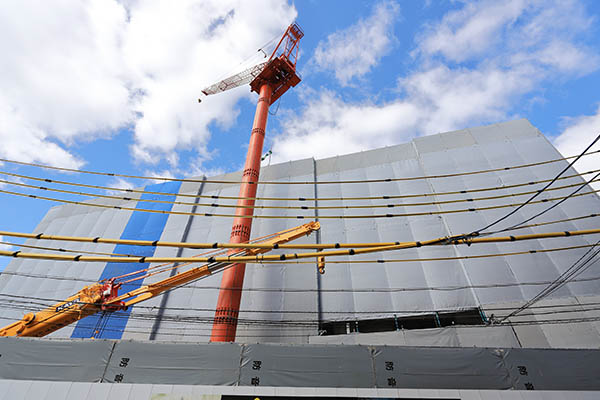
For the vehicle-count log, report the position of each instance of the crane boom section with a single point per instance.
(279, 70)
(86, 302)
(236, 80)
(154, 289)
(103, 296)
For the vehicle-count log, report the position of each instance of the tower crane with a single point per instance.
(270, 79)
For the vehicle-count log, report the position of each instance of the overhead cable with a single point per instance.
(372, 261)
(63, 250)
(365, 216)
(218, 245)
(242, 334)
(287, 322)
(301, 199)
(588, 258)
(159, 243)
(544, 309)
(282, 257)
(337, 207)
(572, 194)
(377, 261)
(429, 259)
(530, 200)
(294, 182)
(290, 325)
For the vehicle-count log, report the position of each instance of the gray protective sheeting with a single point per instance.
(192, 364)
(312, 366)
(278, 292)
(531, 369)
(350, 366)
(54, 360)
(442, 368)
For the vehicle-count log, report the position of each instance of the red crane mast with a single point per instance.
(270, 82)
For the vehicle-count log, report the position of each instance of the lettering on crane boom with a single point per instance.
(68, 304)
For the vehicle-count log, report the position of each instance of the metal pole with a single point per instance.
(230, 294)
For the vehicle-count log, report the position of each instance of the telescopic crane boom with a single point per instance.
(103, 296)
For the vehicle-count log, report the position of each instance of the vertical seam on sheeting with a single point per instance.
(517, 336)
(513, 381)
(318, 240)
(447, 228)
(372, 354)
(509, 266)
(239, 379)
(112, 350)
(186, 231)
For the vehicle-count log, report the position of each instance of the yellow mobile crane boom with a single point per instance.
(103, 296)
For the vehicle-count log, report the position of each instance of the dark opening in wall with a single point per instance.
(423, 321)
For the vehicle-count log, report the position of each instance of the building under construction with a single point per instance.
(450, 319)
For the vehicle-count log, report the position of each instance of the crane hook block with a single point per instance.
(321, 264)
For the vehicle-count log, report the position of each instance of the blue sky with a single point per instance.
(113, 85)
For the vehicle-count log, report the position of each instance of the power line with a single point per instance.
(364, 216)
(530, 200)
(353, 206)
(300, 199)
(582, 262)
(241, 334)
(63, 250)
(378, 261)
(102, 241)
(43, 303)
(572, 194)
(372, 261)
(371, 248)
(263, 324)
(330, 290)
(255, 245)
(111, 174)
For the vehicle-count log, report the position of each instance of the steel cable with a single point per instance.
(154, 178)
(338, 207)
(43, 303)
(300, 199)
(293, 256)
(387, 215)
(563, 278)
(539, 192)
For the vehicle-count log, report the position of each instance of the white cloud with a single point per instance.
(175, 50)
(449, 98)
(59, 77)
(195, 169)
(577, 135)
(80, 70)
(513, 31)
(5, 247)
(119, 183)
(437, 100)
(353, 52)
(471, 30)
(509, 50)
(329, 127)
